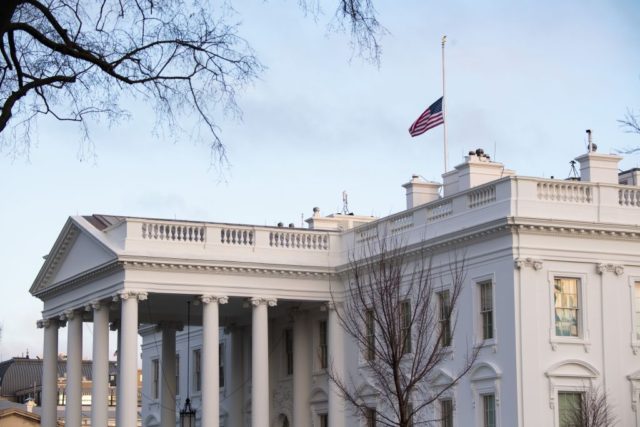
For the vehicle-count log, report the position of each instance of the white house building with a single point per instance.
(551, 298)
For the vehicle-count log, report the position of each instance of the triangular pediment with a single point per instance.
(77, 250)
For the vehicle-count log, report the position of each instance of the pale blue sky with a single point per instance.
(527, 77)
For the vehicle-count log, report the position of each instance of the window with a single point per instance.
(370, 326)
(444, 308)
(569, 404)
(155, 375)
(288, 351)
(324, 420)
(637, 305)
(486, 309)
(566, 303)
(177, 374)
(446, 413)
(221, 365)
(489, 410)
(370, 417)
(405, 319)
(323, 344)
(410, 411)
(197, 377)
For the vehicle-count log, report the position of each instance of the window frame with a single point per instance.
(559, 414)
(196, 354)
(221, 365)
(634, 285)
(444, 320)
(485, 414)
(405, 325)
(370, 331)
(487, 314)
(155, 378)
(288, 351)
(445, 414)
(583, 325)
(370, 417)
(177, 374)
(323, 345)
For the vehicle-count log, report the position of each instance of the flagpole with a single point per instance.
(444, 107)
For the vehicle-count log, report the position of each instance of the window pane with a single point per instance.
(405, 307)
(371, 337)
(569, 412)
(566, 302)
(489, 410)
(444, 303)
(486, 309)
(323, 344)
(446, 413)
(637, 310)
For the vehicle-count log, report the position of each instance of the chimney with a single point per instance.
(420, 191)
(596, 167)
(477, 169)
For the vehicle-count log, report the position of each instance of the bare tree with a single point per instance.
(589, 409)
(75, 59)
(403, 321)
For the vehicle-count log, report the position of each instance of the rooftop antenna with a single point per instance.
(345, 203)
(590, 140)
(573, 172)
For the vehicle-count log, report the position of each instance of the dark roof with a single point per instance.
(103, 221)
(22, 374)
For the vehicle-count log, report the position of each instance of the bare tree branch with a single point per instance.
(392, 310)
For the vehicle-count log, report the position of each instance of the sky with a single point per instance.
(524, 81)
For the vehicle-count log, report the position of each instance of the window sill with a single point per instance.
(568, 341)
(490, 343)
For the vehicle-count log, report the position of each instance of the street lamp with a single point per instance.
(188, 414)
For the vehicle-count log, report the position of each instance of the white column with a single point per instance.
(236, 378)
(128, 381)
(49, 394)
(115, 326)
(100, 377)
(211, 361)
(260, 362)
(73, 410)
(168, 372)
(336, 360)
(301, 370)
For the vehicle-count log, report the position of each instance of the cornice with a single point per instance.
(222, 269)
(590, 230)
(80, 279)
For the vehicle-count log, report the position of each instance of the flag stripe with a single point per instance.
(429, 119)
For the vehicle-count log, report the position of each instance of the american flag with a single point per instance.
(431, 118)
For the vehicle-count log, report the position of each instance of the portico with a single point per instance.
(127, 273)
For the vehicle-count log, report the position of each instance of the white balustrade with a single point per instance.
(482, 196)
(173, 232)
(565, 191)
(237, 236)
(439, 211)
(298, 240)
(400, 223)
(629, 197)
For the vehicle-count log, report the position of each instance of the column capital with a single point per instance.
(45, 323)
(617, 269)
(536, 264)
(206, 299)
(331, 306)
(125, 295)
(68, 315)
(95, 305)
(270, 302)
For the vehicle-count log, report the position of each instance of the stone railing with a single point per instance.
(298, 240)
(174, 232)
(629, 197)
(237, 236)
(565, 191)
(402, 222)
(439, 210)
(482, 196)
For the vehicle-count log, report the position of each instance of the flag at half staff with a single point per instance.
(431, 118)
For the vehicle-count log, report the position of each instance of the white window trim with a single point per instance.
(192, 378)
(580, 380)
(482, 385)
(477, 317)
(583, 324)
(635, 342)
(451, 348)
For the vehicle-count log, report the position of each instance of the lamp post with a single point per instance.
(188, 414)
